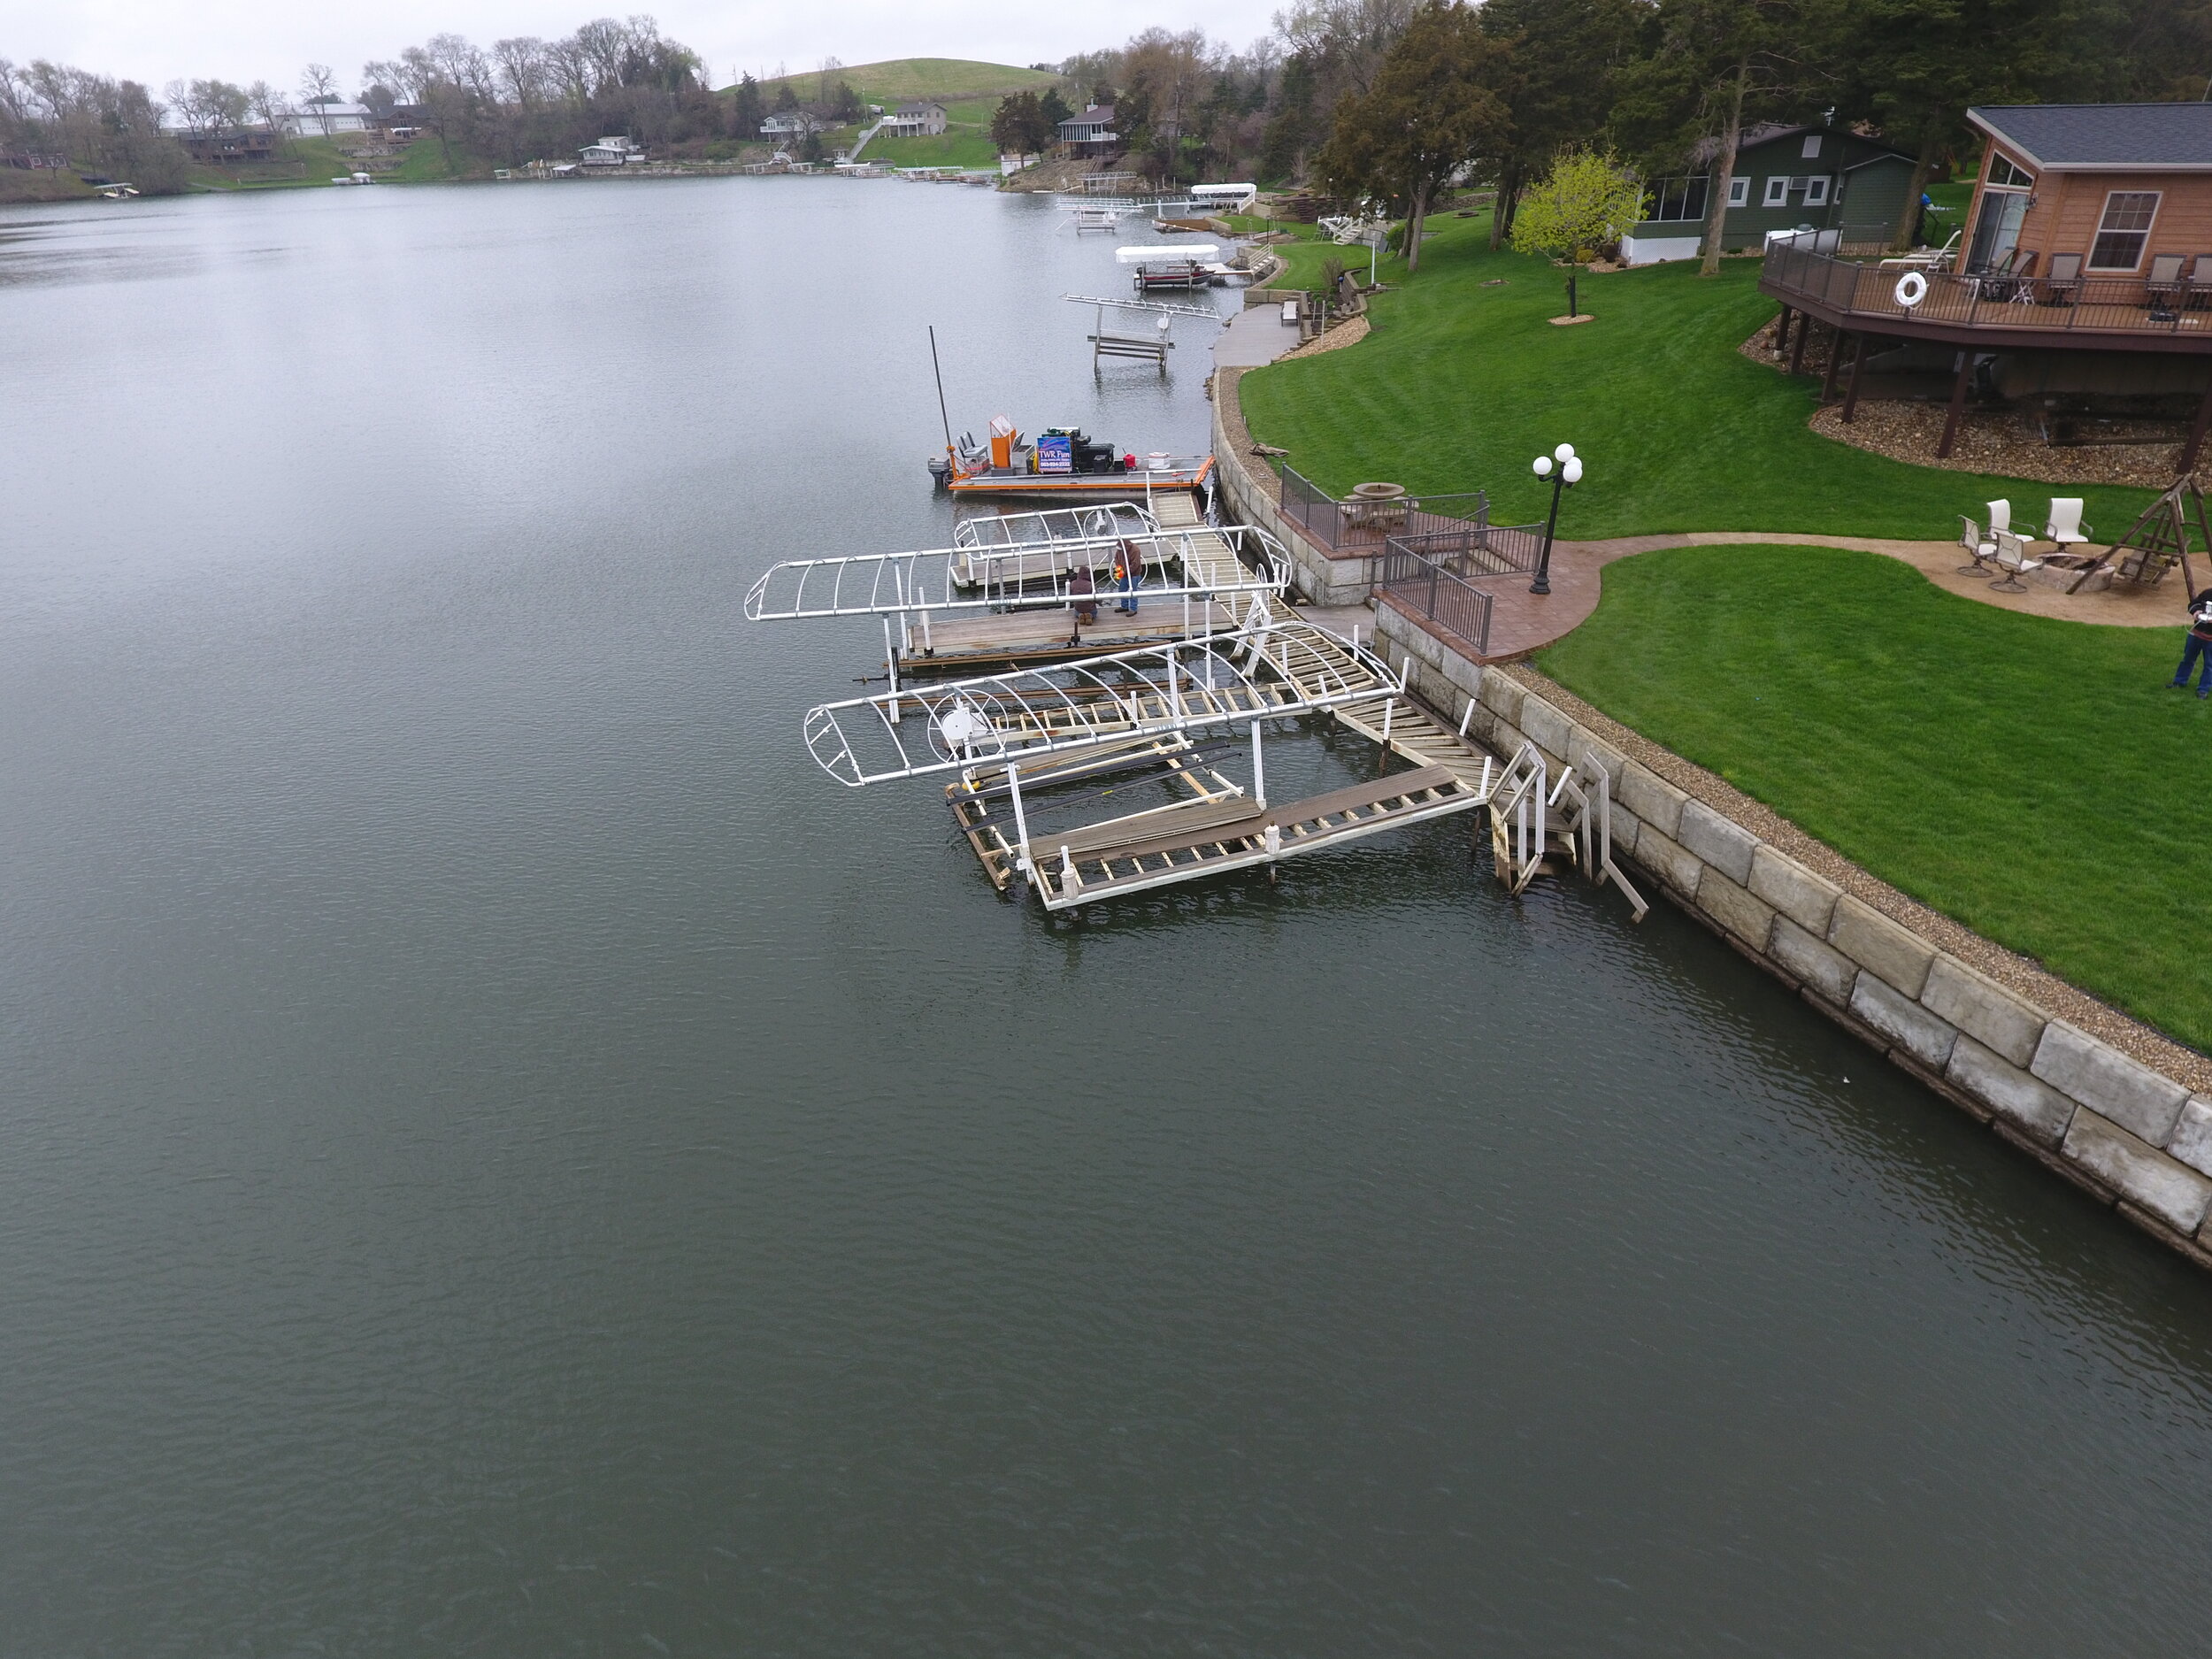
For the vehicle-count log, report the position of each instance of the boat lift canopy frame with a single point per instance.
(1268, 672)
(938, 580)
(1009, 530)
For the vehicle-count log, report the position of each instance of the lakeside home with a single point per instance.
(2086, 272)
(1846, 189)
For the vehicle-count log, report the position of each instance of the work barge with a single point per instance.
(1162, 707)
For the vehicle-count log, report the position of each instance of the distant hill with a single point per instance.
(944, 79)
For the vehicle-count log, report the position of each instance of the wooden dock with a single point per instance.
(1015, 639)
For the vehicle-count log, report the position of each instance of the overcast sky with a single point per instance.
(156, 40)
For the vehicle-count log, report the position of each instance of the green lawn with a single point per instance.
(956, 147)
(895, 79)
(2034, 779)
(1463, 383)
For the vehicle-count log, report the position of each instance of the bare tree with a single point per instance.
(523, 69)
(272, 107)
(318, 86)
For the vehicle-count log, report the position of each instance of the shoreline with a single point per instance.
(2112, 1105)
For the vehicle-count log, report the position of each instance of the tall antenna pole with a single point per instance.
(939, 374)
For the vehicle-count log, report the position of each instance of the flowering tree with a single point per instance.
(1589, 198)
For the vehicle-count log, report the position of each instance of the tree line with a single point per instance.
(1387, 100)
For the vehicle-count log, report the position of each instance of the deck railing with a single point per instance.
(2085, 304)
(1428, 573)
(1365, 525)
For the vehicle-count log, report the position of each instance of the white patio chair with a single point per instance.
(2000, 516)
(1982, 549)
(2013, 560)
(2064, 525)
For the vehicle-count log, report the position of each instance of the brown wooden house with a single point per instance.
(2085, 268)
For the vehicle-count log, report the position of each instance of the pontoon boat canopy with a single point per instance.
(1151, 256)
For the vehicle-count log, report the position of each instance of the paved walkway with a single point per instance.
(1522, 622)
(1255, 335)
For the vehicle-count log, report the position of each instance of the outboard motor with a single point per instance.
(941, 472)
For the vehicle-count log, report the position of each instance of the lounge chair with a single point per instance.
(2002, 282)
(2064, 525)
(2061, 281)
(2012, 558)
(1980, 547)
(2163, 286)
(2196, 293)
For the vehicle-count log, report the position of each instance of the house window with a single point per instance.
(1778, 192)
(2126, 228)
(1816, 190)
(1740, 193)
(2004, 175)
(1812, 147)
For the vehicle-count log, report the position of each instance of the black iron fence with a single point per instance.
(1428, 573)
(1901, 295)
(1365, 525)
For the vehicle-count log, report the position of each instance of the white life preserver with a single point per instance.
(1912, 287)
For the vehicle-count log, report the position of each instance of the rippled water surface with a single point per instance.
(501, 1154)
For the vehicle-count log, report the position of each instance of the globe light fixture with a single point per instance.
(1564, 468)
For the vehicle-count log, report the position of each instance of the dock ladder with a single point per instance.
(1533, 827)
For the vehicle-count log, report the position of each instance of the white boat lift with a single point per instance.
(936, 582)
(1241, 677)
(987, 529)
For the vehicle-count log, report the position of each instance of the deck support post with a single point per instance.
(1797, 346)
(1021, 824)
(1259, 770)
(1958, 405)
(1835, 362)
(2188, 463)
(891, 657)
(1858, 369)
(1782, 332)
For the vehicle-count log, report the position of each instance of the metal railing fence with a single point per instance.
(1367, 525)
(2093, 303)
(1427, 573)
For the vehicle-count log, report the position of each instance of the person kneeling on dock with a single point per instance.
(1081, 592)
(2199, 644)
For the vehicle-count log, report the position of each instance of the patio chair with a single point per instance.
(2002, 282)
(2000, 516)
(2196, 293)
(1980, 547)
(2163, 286)
(2061, 281)
(2013, 560)
(2064, 525)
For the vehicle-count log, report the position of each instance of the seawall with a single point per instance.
(2108, 1104)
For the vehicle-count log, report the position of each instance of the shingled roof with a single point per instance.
(2177, 135)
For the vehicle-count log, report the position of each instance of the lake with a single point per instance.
(503, 1155)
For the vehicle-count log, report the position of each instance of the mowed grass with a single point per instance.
(2035, 779)
(939, 78)
(956, 147)
(1464, 381)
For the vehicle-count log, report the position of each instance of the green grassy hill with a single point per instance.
(944, 79)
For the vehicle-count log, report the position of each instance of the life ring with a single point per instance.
(1912, 287)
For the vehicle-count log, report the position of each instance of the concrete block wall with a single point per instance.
(2128, 1134)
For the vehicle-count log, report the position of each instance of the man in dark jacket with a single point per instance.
(2199, 644)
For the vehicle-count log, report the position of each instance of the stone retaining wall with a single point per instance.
(1250, 493)
(2128, 1133)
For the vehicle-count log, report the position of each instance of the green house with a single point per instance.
(1844, 188)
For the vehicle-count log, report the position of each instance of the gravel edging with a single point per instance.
(2058, 998)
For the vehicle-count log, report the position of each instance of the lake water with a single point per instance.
(501, 1154)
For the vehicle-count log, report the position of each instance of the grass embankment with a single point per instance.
(955, 147)
(942, 79)
(1464, 381)
(2034, 779)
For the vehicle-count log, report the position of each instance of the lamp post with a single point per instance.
(1566, 473)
